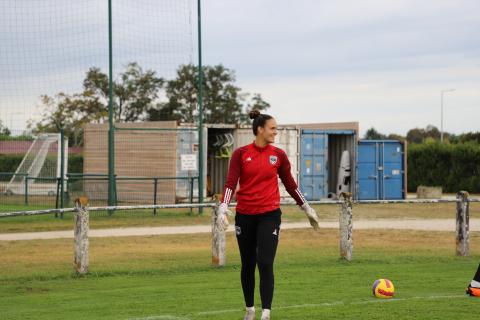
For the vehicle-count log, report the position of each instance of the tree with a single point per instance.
(4, 131)
(71, 112)
(433, 132)
(394, 136)
(223, 101)
(133, 94)
(418, 135)
(415, 135)
(373, 134)
(137, 96)
(469, 137)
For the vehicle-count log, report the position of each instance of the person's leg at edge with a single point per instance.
(473, 288)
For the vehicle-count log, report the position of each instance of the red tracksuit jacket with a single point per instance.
(257, 169)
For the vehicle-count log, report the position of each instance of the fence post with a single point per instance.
(191, 192)
(346, 240)
(218, 240)
(62, 168)
(81, 219)
(115, 199)
(462, 225)
(155, 188)
(26, 189)
(57, 196)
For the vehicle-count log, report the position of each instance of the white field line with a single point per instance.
(162, 317)
(305, 306)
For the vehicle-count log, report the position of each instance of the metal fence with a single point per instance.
(37, 193)
(51, 51)
(35, 170)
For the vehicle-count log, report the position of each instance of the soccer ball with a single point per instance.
(383, 288)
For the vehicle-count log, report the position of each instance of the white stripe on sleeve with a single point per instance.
(300, 195)
(228, 195)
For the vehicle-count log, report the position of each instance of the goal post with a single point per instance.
(41, 167)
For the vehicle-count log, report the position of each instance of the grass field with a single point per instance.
(169, 277)
(99, 220)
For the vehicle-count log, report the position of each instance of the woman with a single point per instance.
(257, 167)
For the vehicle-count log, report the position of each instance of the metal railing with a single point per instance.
(62, 199)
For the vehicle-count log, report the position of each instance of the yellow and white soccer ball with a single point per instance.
(383, 288)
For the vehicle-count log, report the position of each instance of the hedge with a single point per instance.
(75, 163)
(454, 167)
(10, 163)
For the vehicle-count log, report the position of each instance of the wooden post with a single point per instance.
(80, 263)
(346, 240)
(462, 226)
(218, 240)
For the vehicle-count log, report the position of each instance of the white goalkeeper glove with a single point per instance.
(311, 215)
(222, 217)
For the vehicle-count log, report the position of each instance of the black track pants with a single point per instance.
(257, 237)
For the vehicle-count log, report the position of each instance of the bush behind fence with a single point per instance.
(452, 166)
(10, 163)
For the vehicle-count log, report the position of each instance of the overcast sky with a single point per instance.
(381, 63)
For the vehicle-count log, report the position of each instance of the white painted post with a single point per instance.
(346, 240)
(218, 241)
(462, 226)
(81, 219)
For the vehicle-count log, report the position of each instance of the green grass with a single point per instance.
(102, 220)
(10, 207)
(169, 277)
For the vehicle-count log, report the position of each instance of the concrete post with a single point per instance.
(462, 225)
(346, 240)
(218, 240)
(81, 219)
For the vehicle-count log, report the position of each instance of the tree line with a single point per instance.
(143, 95)
(424, 135)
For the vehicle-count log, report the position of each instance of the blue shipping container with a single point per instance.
(313, 169)
(320, 155)
(381, 170)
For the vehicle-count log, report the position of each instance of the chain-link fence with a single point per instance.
(155, 163)
(54, 72)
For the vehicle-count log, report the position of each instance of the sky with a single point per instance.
(381, 63)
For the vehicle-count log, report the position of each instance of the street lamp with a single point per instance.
(441, 112)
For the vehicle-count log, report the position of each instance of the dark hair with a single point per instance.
(259, 119)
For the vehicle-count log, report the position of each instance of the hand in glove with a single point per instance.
(222, 216)
(311, 215)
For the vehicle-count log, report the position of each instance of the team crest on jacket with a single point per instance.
(273, 160)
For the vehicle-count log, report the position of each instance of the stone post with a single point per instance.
(346, 240)
(218, 240)
(462, 225)
(81, 220)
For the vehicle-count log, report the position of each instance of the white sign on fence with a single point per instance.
(188, 162)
